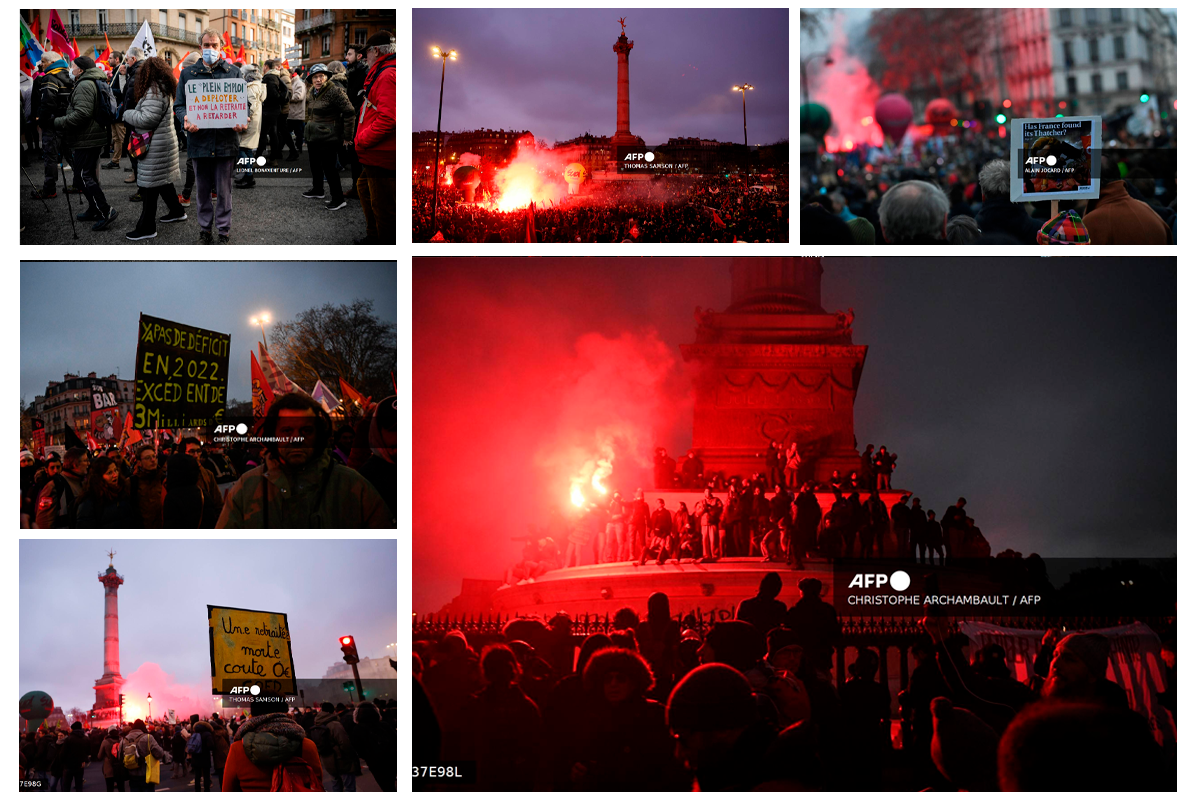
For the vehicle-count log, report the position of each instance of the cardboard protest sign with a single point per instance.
(1055, 159)
(105, 416)
(250, 648)
(216, 102)
(182, 375)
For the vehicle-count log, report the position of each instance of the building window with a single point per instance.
(325, 44)
(1116, 15)
(1094, 51)
(304, 50)
(1068, 54)
(183, 24)
(360, 36)
(1119, 48)
(130, 16)
(199, 26)
(1064, 17)
(1090, 16)
(243, 13)
(162, 19)
(362, 12)
(102, 18)
(73, 18)
(1097, 83)
(1122, 80)
(1071, 89)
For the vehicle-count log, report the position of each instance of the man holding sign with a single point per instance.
(217, 96)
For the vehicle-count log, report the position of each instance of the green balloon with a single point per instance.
(814, 119)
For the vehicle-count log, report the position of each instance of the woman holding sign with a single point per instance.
(152, 141)
(329, 126)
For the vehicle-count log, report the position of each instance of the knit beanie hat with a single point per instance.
(85, 63)
(1090, 648)
(861, 230)
(381, 39)
(963, 747)
(1066, 228)
(712, 697)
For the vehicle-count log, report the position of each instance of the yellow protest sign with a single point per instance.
(249, 649)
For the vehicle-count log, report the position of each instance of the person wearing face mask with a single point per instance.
(375, 141)
(213, 151)
(85, 136)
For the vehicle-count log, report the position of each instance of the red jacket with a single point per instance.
(375, 140)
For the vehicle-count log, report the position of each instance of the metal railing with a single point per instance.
(130, 29)
(314, 22)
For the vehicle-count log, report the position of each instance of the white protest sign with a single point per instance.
(216, 102)
(1056, 158)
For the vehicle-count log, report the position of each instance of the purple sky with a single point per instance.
(553, 71)
(328, 588)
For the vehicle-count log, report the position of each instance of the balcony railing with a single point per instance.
(130, 29)
(270, 24)
(314, 22)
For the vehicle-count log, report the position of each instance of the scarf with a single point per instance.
(279, 724)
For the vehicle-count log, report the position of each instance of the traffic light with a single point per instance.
(1001, 119)
(1145, 98)
(121, 697)
(1007, 103)
(349, 651)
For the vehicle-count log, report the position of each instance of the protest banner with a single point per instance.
(37, 430)
(182, 375)
(1056, 158)
(250, 648)
(216, 102)
(105, 416)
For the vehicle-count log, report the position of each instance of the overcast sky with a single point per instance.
(327, 588)
(100, 333)
(1041, 389)
(554, 72)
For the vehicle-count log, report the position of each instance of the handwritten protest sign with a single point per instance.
(182, 375)
(250, 648)
(216, 102)
(1056, 158)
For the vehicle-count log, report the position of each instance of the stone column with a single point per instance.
(112, 639)
(622, 48)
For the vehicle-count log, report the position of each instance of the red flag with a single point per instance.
(179, 66)
(717, 220)
(92, 444)
(104, 56)
(56, 33)
(131, 435)
(241, 56)
(349, 396)
(228, 49)
(530, 230)
(35, 26)
(260, 390)
(286, 64)
(437, 237)
(75, 47)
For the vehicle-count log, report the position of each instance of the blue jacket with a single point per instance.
(207, 142)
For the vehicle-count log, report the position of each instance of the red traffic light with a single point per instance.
(347, 640)
(349, 651)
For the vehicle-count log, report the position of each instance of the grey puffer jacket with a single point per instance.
(160, 165)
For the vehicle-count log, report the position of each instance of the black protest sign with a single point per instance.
(182, 375)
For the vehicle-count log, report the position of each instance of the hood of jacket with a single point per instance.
(202, 726)
(93, 73)
(271, 739)
(326, 717)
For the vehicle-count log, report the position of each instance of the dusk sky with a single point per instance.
(327, 588)
(1041, 389)
(554, 72)
(219, 296)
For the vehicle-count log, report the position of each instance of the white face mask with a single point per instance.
(74, 74)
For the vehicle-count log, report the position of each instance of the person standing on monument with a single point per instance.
(638, 513)
(876, 528)
(885, 463)
(901, 526)
(775, 462)
(866, 466)
(662, 535)
(792, 466)
(614, 531)
(934, 543)
(954, 528)
(693, 471)
(709, 522)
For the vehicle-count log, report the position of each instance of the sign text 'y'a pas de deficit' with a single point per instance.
(250, 650)
(216, 102)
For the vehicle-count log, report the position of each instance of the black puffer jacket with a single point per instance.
(1000, 215)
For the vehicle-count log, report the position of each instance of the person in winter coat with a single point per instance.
(202, 760)
(84, 136)
(206, 482)
(105, 501)
(304, 488)
(375, 741)
(375, 141)
(183, 506)
(158, 167)
(256, 94)
(329, 126)
(143, 744)
(1117, 218)
(295, 114)
(74, 754)
(110, 765)
(213, 150)
(117, 81)
(179, 753)
(134, 59)
(501, 727)
(269, 739)
(47, 100)
(220, 736)
(189, 178)
(999, 214)
(338, 756)
(277, 91)
(341, 76)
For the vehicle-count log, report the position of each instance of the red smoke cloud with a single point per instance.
(186, 699)
(849, 93)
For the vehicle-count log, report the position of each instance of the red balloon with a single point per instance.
(939, 112)
(893, 113)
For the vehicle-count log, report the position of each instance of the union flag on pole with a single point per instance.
(56, 32)
(131, 435)
(351, 396)
(260, 390)
(278, 382)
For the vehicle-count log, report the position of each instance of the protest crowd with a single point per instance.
(666, 209)
(956, 191)
(273, 749)
(81, 114)
(329, 477)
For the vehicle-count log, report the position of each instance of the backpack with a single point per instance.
(296, 775)
(105, 111)
(131, 760)
(286, 94)
(195, 744)
(53, 101)
(322, 738)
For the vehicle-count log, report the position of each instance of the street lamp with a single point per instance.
(437, 148)
(262, 319)
(149, 706)
(804, 71)
(742, 89)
